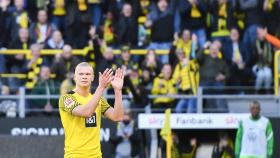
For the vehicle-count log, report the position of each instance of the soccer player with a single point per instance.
(254, 137)
(81, 111)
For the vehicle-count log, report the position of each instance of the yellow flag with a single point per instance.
(166, 132)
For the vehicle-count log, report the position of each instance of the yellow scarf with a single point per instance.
(222, 23)
(135, 81)
(237, 56)
(23, 20)
(93, 1)
(82, 5)
(32, 75)
(195, 13)
(185, 46)
(220, 55)
(108, 32)
(223, 10)
(24, 45)
(59, 8)
(144, 5)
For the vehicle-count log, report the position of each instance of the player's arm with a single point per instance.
(88, 109)
(238, 140)
(116, 113)
(270, 140)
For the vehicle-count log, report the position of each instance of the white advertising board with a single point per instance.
(191, 121)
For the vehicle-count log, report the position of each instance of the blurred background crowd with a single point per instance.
(210, 43)
(219, 45)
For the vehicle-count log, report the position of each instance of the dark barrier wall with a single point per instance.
(43, 137)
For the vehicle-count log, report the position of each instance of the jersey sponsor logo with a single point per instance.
(251, 135)
(69, 102)
(91, 121)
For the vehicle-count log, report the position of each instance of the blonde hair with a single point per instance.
(83, 64)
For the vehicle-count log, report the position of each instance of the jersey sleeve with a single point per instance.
(68, 102)
(104, 105)
(238, 139)
(270, 139)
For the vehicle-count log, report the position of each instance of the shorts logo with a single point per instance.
(69, 102)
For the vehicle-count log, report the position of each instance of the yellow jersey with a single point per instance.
(162, 86)
(82, 135)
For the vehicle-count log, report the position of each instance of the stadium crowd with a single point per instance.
(211, 43)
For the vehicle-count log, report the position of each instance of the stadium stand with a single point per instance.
(194, 56)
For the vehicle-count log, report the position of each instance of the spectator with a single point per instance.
(262, 33)
(94, 49)
(42, 30)
(147, 80)
(58, 12)
(77, 20)
(162, 19)
(127, 27)
(109, 29)
(64, 63)
(68, 84)
(23, 40)
(32, 7)
(254, 136)
(263, 62)
(15, 63)
(56, 41)
(224, 148)
(95, 8)
(116, 7)
(192, 17)
(187, 147)
(213, 73)
(187, 43)
(135, 88)
(7, 106)
(186, 77)
(125, 62)
(174, 146)
(151, 63)
(150, 68)
(238, 60)
(253, 10)
(272, 13)
(127, 138)
(2, 65)
(19, 19)
(4, 20)
(145, 7)
(163, 85)
(45, 86)
(107, 61)
(222, 19)
(3, 32)
(33, 65)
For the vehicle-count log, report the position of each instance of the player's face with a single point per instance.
(83, 76)
(255, 110)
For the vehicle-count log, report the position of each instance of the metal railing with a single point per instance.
(76, 51)
(45, 52)
(276, 72)
(200, 97)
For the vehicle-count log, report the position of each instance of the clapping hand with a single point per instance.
(117, 81)
(105, 78)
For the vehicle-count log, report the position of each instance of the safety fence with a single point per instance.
(204, 103)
